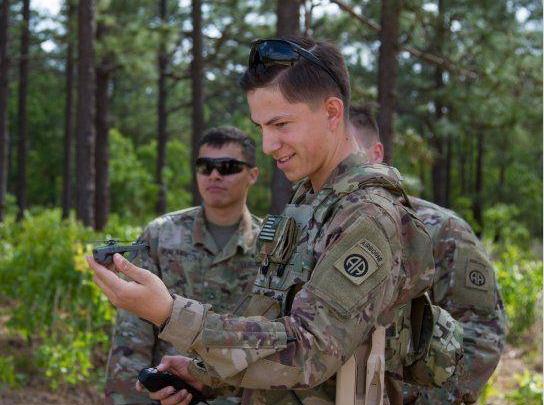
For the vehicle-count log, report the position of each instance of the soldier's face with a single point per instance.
(295, 135)
(219, 191)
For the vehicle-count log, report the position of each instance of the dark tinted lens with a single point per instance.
(225, 167)
(203, 166)
(277, 52)
(271, 52)
(230, 167)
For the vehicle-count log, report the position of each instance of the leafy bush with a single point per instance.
(529, 391)
(58, 309)
(502, 224)
(177, 173)
(520, 282)
(7, 371)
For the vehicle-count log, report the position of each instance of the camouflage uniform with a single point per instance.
(465, 285)
(184, 254)
(324, 284)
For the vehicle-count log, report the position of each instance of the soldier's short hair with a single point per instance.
(305, 81)
(217, 137)
(361, 117)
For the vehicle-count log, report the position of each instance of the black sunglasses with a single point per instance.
(224, 166)
(268, 52)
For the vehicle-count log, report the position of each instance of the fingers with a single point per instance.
(162, 394)
(106, 280)
(165, 363)
(179, 398)
(133, 272)
(105, 288)
(139, 387)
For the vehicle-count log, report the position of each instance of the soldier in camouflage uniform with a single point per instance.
(465, 285)
(340, 262)
(194, 256)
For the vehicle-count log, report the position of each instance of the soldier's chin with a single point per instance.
(292, 175)
(217, 203)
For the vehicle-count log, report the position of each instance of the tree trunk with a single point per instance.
(4, 135)
(22, 150)
(162, 115)
(197, 71)
(68, 117)
(449, 158)
(439, 163)
(462, 158)
(85, 114)
(102, 196)
(477, 206)
(288, 20)
(387, 73)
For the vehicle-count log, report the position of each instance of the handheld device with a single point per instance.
(104, 254)
(154, 380)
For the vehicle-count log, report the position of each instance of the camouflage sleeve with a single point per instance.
(351, 285)
(466, 286)
(132, 348)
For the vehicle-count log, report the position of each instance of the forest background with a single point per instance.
(101, 102)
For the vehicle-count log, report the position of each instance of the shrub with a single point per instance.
(60, 312)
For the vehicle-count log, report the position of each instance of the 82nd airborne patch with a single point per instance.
(477, 275)
(359, 262)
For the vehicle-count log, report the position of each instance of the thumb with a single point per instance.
(165, 363)
(127, 268)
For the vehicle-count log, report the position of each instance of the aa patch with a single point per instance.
(359, 262)
(477, 276)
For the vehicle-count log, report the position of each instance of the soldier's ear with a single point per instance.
(335, 112)
(253, 175)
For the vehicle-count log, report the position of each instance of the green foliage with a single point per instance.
(176, 172)
(502, 223)
(57, 309)
(529, 391)
(7, 371)
(520, 281)
(133, 189)
(66, 357)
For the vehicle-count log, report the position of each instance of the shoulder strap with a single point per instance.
(372, 175)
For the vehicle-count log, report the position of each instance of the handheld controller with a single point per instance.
(154, 380)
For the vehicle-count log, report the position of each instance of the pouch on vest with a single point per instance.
(277, 241)
(437, 344)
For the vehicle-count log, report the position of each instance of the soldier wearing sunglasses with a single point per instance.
(204, 252)
(337, 267)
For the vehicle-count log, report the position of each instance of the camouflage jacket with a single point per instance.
(464, 285)
(323, 285)
(184, 254)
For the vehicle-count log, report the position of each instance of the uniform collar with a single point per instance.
(243, 237)
(304, 186)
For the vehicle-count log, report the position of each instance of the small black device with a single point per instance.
(154, 380)
(104, 254)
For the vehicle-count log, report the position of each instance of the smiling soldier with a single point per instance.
(337, 267)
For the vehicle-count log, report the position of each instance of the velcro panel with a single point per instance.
(357, 263)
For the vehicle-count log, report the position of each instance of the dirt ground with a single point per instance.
(511, 363)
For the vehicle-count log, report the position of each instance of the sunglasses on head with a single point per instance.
(269, 52)
(224, 166)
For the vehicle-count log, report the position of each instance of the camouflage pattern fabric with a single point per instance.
(311, 309)
(184, 254)
(466, 286)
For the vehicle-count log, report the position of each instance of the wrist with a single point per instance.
(163, 319)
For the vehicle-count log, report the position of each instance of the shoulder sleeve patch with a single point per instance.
(477, 275)
(359, 262)
(352, 270)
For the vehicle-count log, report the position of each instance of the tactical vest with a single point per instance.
(285, 251)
